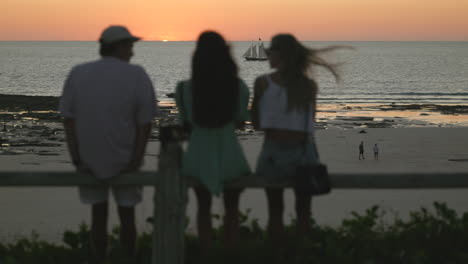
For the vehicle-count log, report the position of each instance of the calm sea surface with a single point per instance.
(375, 72)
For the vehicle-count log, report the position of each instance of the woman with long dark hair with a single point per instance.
(214, 103)
(284, 107)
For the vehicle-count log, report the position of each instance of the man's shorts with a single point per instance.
(125, 196)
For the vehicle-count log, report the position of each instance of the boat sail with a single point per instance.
(251, 53)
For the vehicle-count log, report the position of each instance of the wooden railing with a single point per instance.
(170, 197)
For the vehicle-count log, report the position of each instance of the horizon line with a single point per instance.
(143, 40)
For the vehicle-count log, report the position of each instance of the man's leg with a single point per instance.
(99, 230)
(127, 229)
(127, 197)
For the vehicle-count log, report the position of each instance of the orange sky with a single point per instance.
(237, 19)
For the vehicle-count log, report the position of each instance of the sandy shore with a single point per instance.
(49, 211)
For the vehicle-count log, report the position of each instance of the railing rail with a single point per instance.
(171, 190)
(339, 180)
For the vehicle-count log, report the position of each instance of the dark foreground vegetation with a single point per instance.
(436, 235)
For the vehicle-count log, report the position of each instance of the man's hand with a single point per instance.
(132, 166)
(72, 142)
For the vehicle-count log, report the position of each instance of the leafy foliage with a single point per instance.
(427, 236)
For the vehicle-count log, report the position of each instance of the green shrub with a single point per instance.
(436, 236)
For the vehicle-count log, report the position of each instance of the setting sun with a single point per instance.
(309, 20)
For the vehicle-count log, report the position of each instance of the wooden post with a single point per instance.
(170, 201)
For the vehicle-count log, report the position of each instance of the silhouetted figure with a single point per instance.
(214, 102)
(284, 106)
(108, 107)
(361, 150)
(376, 152)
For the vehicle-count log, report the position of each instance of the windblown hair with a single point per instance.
(215, 82)
(296, 61)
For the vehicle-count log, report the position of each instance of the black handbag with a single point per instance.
(312, 179)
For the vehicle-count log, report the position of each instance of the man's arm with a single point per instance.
(143, 133)
(72, 141)
(145, 112)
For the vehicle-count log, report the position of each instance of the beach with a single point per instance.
(408, 142)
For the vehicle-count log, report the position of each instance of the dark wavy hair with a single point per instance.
(215, 82)
(296, 60)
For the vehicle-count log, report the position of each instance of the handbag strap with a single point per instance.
(307, 139)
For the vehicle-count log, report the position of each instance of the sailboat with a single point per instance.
(252, 55)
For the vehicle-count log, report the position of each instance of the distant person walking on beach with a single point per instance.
(284, 106)
(376, 152)
(214, 103)
(108, 107)
(361, 150)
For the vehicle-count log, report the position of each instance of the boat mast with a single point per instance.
(261, 50)
(254, 51)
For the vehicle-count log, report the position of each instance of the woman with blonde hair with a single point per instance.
(284, 108)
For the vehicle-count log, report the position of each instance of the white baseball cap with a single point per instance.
(116, 33)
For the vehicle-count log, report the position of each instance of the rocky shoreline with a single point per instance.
(443, 109)
(30, 124)
(44, 108)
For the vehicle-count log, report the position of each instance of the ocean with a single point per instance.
(374, 72)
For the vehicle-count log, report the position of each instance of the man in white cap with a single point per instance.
(108, 106)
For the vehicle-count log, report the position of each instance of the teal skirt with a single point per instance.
(279, 161)
(214, 156)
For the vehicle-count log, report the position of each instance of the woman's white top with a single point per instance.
(273, 111)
